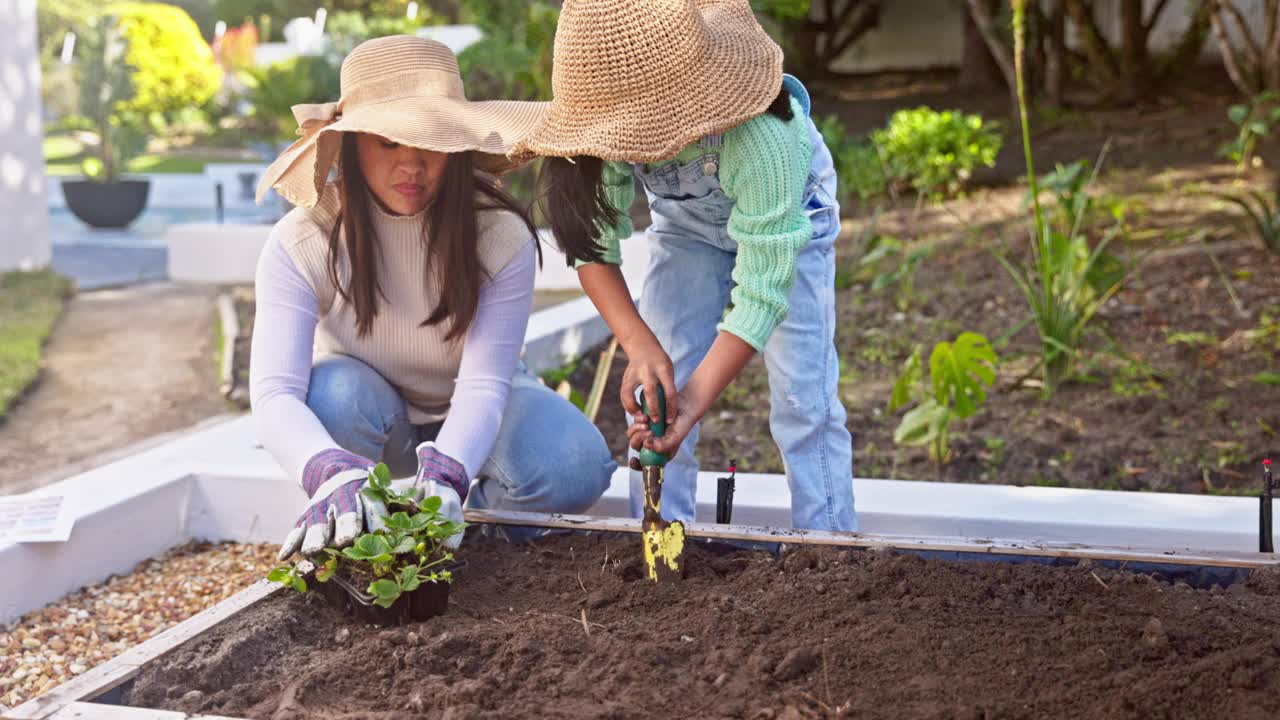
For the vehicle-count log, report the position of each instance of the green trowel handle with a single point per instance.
(649, 458)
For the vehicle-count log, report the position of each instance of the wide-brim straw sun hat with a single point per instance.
(638, 80)
(407, 90)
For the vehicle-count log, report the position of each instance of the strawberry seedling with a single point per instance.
(393, 560)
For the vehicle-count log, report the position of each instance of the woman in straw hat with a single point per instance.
(689, 96)
(412, 276)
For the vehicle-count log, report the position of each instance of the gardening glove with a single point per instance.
(337, 513)
(442, 476)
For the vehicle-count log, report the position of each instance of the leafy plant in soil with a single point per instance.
(1260, 212)
(958, 373)
(393, 560)
(893, 264)
(1066, 282)
(1254, 123)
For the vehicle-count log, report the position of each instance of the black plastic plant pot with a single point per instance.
(429, 600)
(106, 205)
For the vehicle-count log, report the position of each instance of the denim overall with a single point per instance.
(685, 296)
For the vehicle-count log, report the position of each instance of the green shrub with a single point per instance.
(173, 65)
(936, 152)
(273, 90)
(513, 60)
(857, 163)
(348, 29)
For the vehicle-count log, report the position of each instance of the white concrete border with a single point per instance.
(219, 484)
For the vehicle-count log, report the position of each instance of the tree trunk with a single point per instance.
(1271, 45)
(842, 29)
(1242, 80)
(979, 71)
(1188, 49)
(1055, 54)
(984, 18)
(1133, 51)
(1101, 62)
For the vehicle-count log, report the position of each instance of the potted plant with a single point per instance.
(103, 199)
(397, 574)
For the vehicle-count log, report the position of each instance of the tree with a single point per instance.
(1131, 72)
(1123, 72)
(815, 44)
(173, 66)
(979, 69)
(1254, 62)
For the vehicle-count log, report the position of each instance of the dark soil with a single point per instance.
(817, 633)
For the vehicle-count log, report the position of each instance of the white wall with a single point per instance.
(24, 237)
(913, 34)
(917, 34)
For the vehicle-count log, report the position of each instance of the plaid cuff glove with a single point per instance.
(435, 466)
(332, 479)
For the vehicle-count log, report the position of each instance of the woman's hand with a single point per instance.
(649, 368)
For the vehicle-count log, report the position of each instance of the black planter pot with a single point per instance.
(429, 600)
(106, 205)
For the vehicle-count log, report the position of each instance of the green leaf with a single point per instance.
(920, 425)
(369, 546)
(280, 574)
(385, 592)
(404, 545)
(399, 521)
(383, 474)
(297, 583)
(884, 247)
(409, 578)
(908, 379)
(448, 528)
(1267, 378)
(1238, 113)
(431, 504)
(326, 571)
(960, 370)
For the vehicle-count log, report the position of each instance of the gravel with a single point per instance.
(49, 646)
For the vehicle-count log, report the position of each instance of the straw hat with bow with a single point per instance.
(638, 80)
(408, 90)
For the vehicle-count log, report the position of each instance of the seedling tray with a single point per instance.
(429, 600)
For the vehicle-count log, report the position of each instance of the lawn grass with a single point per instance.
(30, 302)
(63, 155)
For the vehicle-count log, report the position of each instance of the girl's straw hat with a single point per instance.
(637, 80)
(408, 90)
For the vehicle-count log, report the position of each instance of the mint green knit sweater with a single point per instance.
(764, 166)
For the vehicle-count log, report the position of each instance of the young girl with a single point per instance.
(418, 275)
(689, 96)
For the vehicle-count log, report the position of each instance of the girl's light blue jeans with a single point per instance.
(685, 295)
(547, 458)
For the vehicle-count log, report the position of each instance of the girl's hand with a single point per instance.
(639, 435)
(649, 368)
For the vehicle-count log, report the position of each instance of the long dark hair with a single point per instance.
(450, 233)
(571, 195)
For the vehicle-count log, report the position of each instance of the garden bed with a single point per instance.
(568, 628)
(47, 647)
(1194, 411)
